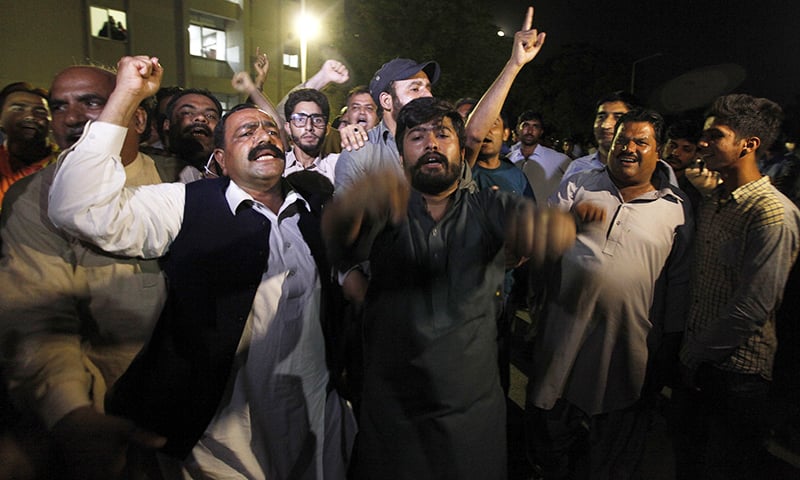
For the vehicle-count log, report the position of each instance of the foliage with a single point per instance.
(563, 84)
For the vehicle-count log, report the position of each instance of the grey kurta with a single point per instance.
(432, 402)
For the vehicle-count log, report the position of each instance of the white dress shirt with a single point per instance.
(89, 200)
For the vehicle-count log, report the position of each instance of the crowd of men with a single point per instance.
(194, 293)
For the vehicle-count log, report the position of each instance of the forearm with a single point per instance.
(488, 109)
(88, 199)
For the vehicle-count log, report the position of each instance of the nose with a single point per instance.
(75, 115)
(200, 117)
(432, 142)
(609, 123)
(426, 92)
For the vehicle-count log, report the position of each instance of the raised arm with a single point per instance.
(242, 83)
(88, 197)
(527, 44)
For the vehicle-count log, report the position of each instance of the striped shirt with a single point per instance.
(745, 245)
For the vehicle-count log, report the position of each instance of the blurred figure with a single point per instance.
(71, 317)
(25, 122)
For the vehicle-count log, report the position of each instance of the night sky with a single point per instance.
(761, 37)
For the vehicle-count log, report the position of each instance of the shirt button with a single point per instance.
(435, 232)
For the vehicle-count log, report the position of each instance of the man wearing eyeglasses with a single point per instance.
(307, 111)
(192, 116)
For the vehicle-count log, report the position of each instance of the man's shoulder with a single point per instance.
(771, 207)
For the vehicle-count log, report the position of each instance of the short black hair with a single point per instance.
(426, 109)
(630, 100)
(686, 130)
(189, 91)
(20, 87)
(748, 116)
(644, 115)
(306, 95)
(529, 115)
(219, 130)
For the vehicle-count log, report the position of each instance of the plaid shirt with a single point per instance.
(745, 246)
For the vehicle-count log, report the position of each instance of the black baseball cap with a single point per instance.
(400, 69)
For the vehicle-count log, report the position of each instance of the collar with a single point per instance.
(746, 190)
(236, 197)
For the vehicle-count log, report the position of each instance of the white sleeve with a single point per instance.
(89, 199)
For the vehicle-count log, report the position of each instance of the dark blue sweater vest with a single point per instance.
(213, 269)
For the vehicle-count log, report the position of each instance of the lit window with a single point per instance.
(108, 23)
(291, 58)
(206, 42)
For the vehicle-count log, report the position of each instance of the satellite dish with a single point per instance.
(697, 88)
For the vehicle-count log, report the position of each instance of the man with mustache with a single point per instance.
(361, 108)
(192, 115)
(432, 405)
(234, 377)
(307, 111)
(71, 317)
(615, 310)
(25, 121)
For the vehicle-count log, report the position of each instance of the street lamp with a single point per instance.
(633, 67)
(306, 26)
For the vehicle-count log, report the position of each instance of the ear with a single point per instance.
(386, 101)
(219, 157)
(288, 129)
(139, 121)
(750, 146)
(165, 125)
(506, 134)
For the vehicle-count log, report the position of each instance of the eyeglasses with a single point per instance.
(300, 120)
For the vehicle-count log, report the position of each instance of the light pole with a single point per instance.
(633, 67)
(306, 27)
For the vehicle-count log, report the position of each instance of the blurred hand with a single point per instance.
(261, 66)
(703, 179)
(542, 234)
(94, 446)
(242, 82)
(378, 197)
(589, 212)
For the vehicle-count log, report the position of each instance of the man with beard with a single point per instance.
(432, 405)
(543, 166)
(395, 84)
(192, 115)
(71, 317)
(234, 376)
(615, 310)
(25, 121)
(307, 112)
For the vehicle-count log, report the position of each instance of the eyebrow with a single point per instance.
(264, 123)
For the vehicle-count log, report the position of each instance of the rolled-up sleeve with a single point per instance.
(89, 199)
